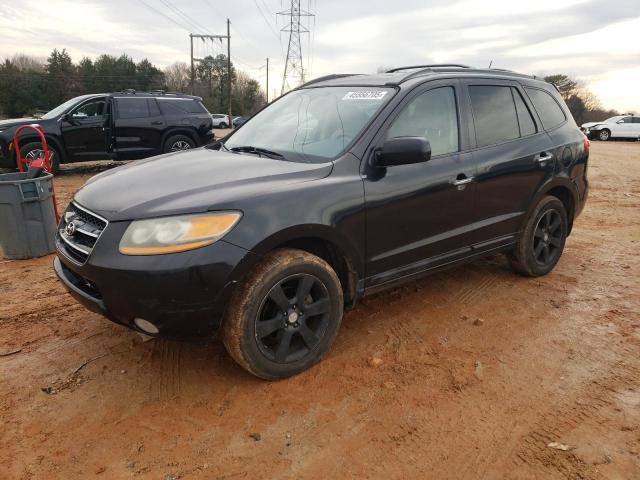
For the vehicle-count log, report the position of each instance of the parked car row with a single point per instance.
(620, 126)
(221, 120)
(122, 125)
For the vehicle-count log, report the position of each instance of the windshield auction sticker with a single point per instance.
(364, 95)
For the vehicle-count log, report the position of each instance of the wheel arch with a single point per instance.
(565, 191)
(326, 243)
(51, 140)
(180, 131)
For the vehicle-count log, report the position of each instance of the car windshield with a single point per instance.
(311, 125)
(612, 119)
(60, 109)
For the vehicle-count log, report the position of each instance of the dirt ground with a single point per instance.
(467, 374)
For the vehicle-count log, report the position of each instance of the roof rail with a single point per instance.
(328, 77)
(434, 65)
(128, 90)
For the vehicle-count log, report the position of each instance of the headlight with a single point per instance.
(176, 234)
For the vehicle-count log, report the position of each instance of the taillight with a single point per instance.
(586, 143)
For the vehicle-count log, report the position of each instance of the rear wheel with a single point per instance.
(285, 316)
(604, 135)
(177, 143)
(223, 125)
(33, 151)
(539, 247)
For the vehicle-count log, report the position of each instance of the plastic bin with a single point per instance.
(27, 217)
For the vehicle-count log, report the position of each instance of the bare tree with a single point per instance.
(27, 63)
(177, 76)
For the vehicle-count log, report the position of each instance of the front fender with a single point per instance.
(314, 231)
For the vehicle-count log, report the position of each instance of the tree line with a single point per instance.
(29, 86)
(582, 102)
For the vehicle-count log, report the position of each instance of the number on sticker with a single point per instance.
(364, 95)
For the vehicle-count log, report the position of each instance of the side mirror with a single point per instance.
(403, 151)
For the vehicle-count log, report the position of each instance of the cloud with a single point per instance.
(585, 38)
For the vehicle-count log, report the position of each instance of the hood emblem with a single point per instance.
(70, 229)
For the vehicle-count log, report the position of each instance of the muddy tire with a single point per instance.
(285, 316)
(33, 150)
(541, 243)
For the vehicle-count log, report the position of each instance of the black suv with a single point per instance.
(123, 126)
(345, 186)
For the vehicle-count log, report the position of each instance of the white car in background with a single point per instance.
(620, 126)
(220, 120)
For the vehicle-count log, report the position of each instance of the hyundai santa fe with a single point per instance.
(345, 186)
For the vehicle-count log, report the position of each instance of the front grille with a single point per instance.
(78, 232)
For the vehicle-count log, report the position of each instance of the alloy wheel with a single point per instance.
(547, 237)
(37, 153)
(180, 145)
(293, 318)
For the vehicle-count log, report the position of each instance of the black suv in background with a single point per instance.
(122, 126)
(345, 186)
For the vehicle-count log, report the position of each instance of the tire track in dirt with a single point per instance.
(166, 357)
(587, 406)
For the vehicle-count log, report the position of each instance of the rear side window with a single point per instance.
(132, 107)
(527, 125)
(180, 106)
(548, 109)
(494, 114)
(432, 115)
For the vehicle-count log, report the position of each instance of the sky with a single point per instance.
(595, 41)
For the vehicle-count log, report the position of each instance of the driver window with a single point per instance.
(431, 115)
(94, 108)
(625, 120)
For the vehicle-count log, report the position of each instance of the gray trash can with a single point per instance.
(27, 218)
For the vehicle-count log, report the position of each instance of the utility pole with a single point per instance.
(293, 67)
(226, 37)
(193, 70)
(229, 68)
(267, 80)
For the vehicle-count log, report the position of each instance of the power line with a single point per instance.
(153, 9)
(186, 17)
(265, 20)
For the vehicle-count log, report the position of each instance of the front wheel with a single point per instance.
(33, 151)
(223, 125)
(604, 135)
(285, 316)
(541, 243)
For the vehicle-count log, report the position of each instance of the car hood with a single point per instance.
(592, 124)
(16, 122)
(195, 181)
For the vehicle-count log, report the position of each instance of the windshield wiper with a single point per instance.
(258, 151)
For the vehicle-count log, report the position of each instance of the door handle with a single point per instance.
(462, 181)
(156, 123)
(544, 156)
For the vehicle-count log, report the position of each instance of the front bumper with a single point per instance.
(184, 295)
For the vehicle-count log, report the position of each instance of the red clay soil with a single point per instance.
(467, 374)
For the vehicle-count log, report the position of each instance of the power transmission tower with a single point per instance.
(226, 37)
(293, 66)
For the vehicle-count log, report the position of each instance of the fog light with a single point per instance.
(145, 325)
